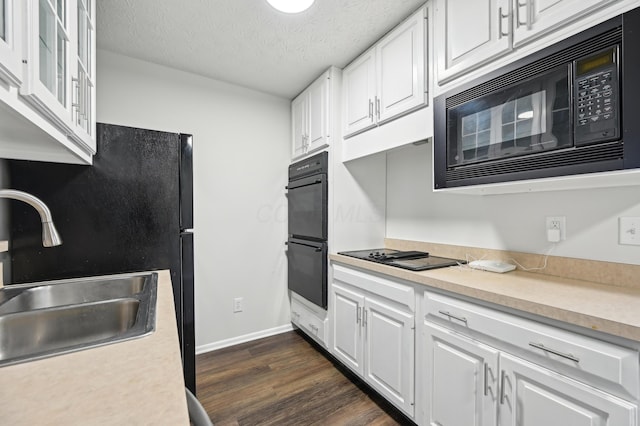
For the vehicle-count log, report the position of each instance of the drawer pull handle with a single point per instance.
(447, 314)
(555, 352)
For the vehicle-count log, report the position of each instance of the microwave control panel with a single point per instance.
(596, 98)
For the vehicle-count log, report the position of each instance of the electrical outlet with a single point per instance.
(629, 230)
(237, 304)
(556, 228)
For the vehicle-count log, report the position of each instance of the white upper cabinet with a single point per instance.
(388, 80)
(311, 120)
(11, 41)
(298, 125)
(48, 72)
(47, 57)
(358, 92)
(401, 82)
(469, 34)
(533, 18)
(318, 113)
(83, 76)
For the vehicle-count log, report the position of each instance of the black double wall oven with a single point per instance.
(308, 218)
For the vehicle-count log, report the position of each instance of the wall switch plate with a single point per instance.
(237, 304)
(629, 230)
(556, 228)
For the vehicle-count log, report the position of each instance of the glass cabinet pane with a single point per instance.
(61, 12)
(3, 24)
(47, 38)
(82, 34)
(53, 48)
(61, 67)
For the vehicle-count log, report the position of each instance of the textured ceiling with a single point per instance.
(246, 42)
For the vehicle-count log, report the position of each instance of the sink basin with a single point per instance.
(56, 317)
(72, 292)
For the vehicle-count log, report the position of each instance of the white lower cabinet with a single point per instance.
(374, 336)
(531, 395)
(309, 318)
(471, 380)
(461, 379)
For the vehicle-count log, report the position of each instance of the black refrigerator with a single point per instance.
(131, 211)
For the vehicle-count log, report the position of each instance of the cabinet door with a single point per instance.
(469, 34)
(358, 89)
(299, 125)
(347, 327)
(318, 114)
(534, 18)
(533, 396)
(11, 41)
(400, 69)
(83, 73)
(461, 377)
(47, 84)
(389, 366)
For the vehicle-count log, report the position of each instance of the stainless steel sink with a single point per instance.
(71, 293)
(45, 319)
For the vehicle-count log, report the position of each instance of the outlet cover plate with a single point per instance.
(558, 222)
(629, 230)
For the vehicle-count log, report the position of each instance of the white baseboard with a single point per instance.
(242, 339)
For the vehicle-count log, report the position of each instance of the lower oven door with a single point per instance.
(308, 270)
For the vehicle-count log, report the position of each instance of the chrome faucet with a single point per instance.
(50, 236)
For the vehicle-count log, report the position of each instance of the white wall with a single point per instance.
(241, 153)
(513, 221)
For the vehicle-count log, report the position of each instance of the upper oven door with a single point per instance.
(307, 198)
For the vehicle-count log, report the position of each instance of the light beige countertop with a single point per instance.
(606, 308)
(136, 382)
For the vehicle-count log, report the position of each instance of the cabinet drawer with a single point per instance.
(308, 321)
(586, 358)
(403, 294)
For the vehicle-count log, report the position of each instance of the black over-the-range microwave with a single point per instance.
(571, 108)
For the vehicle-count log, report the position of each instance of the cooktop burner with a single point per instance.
(413, 260)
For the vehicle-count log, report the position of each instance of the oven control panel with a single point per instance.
(596, 98)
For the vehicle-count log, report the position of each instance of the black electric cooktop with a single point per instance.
(413, 260)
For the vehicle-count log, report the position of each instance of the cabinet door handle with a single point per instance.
(486, 379)
(378, 108)
(518, 6)
(364, 317)
(370, 110)
(76, 89)
(500, 19)
(555, 352)
(358, 316)
(502, 380)
(447, 314)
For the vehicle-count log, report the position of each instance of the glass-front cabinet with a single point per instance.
(47, 55)
(84, 80)
(60, 67)
(10, 42)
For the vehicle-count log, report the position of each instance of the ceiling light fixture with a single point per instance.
(291, 6)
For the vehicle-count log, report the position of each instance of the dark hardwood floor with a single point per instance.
(285, 380)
